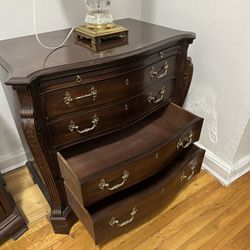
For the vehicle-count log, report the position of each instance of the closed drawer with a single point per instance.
(92, 94)
(126, 210)
(83, 126)
(96, 170)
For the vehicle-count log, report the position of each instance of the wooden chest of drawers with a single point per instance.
(106, 128)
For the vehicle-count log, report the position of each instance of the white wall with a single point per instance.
(16, 19)
(53, 15)
(221, 85)
(243, 151)
(242, 156)
(12, 153)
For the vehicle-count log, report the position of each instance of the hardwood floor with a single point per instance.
(205, 215)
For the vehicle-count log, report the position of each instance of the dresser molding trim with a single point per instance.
(62, 217)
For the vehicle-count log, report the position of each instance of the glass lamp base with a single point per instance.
(99, 28)
(98, 15)
(98, 19)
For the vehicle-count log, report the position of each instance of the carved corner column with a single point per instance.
(185, 75)
(187, 79)
(62, 217)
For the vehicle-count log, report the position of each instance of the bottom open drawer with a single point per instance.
(127, 209)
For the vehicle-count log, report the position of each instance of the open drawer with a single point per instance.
(125, 210)
(95, 170)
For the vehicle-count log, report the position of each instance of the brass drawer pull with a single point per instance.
(156, 74)
(156, 100)
(73, 127)
(185, 177)
(68, 98)
(103, 183)
(114, 221)
(186, 141)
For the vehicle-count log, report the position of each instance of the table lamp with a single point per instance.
(99, 23)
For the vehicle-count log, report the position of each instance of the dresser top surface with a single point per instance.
(25, 59)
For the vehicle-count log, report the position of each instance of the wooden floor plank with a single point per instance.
(205, 210)
(23, 177)
(226, 233)
(42, 238)
(184, 232)
(157, 241)
(232, 212)
(78, 239)
(242, 239)
(239, 241)
(35, 205)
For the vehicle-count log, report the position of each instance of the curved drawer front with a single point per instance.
(128, 159)
(71, 99)
(104, 120)
(121, 213)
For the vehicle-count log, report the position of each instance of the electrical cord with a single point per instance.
(36, 33)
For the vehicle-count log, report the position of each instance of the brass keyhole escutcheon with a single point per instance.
(78, 79)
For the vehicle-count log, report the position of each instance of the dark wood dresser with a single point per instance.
(106, 128)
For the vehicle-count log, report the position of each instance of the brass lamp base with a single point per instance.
(93, 36)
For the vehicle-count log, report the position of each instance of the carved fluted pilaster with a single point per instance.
(184, 78)
(188, 74)
(36, 145)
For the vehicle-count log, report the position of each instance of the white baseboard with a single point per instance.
(224, 172)
(240, 168)
(13, 162)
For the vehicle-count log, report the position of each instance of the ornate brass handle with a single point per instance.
(114, 221)
(156, 100)
(68, 98)
(72, 126)
(186, 141)
(184, 177)
(157, 74)
(103, 183)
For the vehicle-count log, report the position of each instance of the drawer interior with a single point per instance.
(88, 159)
